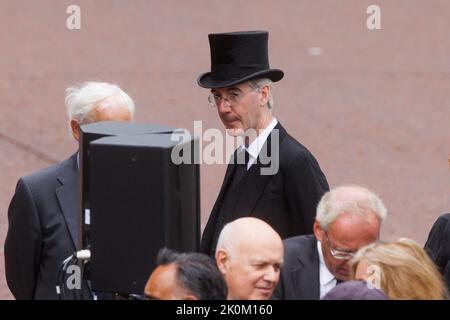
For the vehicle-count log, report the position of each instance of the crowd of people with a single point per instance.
(274, 232)
(343, 260)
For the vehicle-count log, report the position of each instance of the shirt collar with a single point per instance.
(325, 275)
(255, 147)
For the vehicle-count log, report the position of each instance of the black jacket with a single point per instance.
(43, 229)
(286, 199)
(299, 277)
(438, 245)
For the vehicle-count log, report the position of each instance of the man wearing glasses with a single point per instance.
(271, 176)
(348, 218)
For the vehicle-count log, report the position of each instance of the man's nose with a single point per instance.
(223, 106)
(271, 274)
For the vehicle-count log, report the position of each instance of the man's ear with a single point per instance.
(75, 126)
(222, 260)
(264, 97)
(318, 231)
(190, 297)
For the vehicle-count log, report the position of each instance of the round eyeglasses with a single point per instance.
(232, 98)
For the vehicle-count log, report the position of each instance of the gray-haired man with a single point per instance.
(43, 213)
(280, 181)
(348, 218)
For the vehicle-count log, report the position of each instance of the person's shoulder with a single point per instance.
(445, 218)
(442, 223)
(292, 152)
(289, 142)
(49, 173)
(297, 249)
(298, 243)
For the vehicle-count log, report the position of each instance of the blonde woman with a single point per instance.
(402, 269)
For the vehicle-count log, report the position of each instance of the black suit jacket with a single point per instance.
(43, 226)
(438, 245)
(286, 199)
(299, 277)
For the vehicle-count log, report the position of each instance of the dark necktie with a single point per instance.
(338, 281)
(241, 168)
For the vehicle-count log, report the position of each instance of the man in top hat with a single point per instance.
(271, 176)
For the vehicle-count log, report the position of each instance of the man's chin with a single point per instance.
(262, 294)
(344, 276)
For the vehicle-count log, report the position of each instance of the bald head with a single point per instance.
(245, 232)
(249, 254)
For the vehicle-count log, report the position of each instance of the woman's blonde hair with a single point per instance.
(405, 270)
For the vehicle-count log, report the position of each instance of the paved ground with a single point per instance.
(371, 105)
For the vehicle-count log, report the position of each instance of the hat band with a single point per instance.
(235, 71)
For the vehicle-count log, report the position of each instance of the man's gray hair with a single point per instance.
(259, 83)
(80, 100)
(348, 199)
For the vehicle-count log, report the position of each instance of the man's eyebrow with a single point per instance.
(260, 261)
(345, 249)
(228, 89)
(233, 88)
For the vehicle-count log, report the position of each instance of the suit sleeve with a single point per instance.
(437, 238)
(438, 245)
(305, 184)
(23, 243)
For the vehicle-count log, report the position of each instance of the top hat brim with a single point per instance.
(205, 80)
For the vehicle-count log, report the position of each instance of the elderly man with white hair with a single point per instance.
(249, 254)
(44, 211)
(348, 218)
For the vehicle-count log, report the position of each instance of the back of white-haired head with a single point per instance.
(80, 100)
(348, 199)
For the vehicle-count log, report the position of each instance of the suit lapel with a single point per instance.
(253, 184)
(208, 233)
(227, 179)
(250, 189)
(68, 196)
(305, 278)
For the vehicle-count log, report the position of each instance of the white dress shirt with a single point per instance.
(255, 147)
(326, 278)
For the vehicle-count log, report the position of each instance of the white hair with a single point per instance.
(348, 199)
(80, 100)
(259, 83)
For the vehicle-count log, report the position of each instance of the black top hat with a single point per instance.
(237, 57)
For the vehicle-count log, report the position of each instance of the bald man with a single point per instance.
(249, 254)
